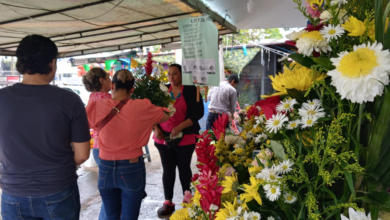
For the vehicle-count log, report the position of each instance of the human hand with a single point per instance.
(158, 134)
(176, 130)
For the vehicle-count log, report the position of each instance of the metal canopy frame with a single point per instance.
(102, 38)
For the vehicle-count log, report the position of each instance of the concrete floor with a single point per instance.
(91, 201)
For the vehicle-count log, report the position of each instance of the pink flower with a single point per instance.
(229, 171)
(314, 13)
(187, 196)
(254, 163)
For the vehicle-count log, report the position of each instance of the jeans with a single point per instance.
(211, 118)
(122, 186)
(95, 152)
(63, 205)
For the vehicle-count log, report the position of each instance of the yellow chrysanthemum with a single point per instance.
(181, 214)
(229, 210)
(355, 27)
(230, 183)
(251, 191)
(196, 198)
(299, 78)
(254, 170)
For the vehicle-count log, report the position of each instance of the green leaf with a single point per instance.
(254, 206)
(324, 119)
(386, 42)
(325, 62)
(287, 209)
(348, 176)
(333, 213)
(298, 95)
(330, 193)
(303, 60)
(379, 21)
(374, 211)
(278, 150)
(378, 132)
(379, 198)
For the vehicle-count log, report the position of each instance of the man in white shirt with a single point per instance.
(223, 99)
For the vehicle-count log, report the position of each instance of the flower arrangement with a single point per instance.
(319, 147)
(152, 88)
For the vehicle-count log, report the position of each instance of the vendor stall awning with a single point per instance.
(81, 27)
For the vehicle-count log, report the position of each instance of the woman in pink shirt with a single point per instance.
(122, 169)
(98, 82)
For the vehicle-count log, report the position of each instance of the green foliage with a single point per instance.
(251, 36)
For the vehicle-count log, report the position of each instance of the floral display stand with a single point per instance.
(319, 147)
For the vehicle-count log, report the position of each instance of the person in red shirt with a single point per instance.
(121, 168)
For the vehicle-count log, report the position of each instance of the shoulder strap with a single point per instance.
(114, 111)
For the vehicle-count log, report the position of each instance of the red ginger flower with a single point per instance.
(268, 106)
(210, 192)
(219, 125)
(148, 64)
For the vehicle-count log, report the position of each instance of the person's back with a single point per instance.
(44, 134)
(223, 99)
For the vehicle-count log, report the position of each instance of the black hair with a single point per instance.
(234, 78)
(91, 80)
(34, 54)
(177, 66)
(123, 79)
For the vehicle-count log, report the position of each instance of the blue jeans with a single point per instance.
(95, 153)
(63, 205)
(122, 186)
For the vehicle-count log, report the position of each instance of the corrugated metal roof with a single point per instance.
(80, 27)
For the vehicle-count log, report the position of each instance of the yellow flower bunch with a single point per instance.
(298, 77)
(181, 214)
(251, 191)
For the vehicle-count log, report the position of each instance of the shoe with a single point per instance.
(167, 209)
(145, 195)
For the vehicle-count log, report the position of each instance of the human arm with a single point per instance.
(185, 124)
(81, 152)
(209, 94)
(233, 102)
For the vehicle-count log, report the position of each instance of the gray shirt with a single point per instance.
(223, 98)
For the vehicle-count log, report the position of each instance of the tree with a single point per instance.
(251, 36)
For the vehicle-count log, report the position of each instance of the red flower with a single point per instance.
(210, 192)
(291, 42)
(268, 106)
(148, 64)
(252, 111)
(195, 177)
(219, 125)
(311, 28)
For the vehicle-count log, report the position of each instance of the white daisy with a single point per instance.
(285, 166)
(312, 41)
(270, 218)
(276, 122)
(286, 106)
(332, 32)
(314, 102)
(268, 174)
(191, 212)
(308, 122)
(259, 119)
(272, 192)
(311, 112)
(289, 198)
(338, 2)
(261, 137)
(249, 135)
(356, 215)
(361, 75)
(294, 36)
(293, 124)
(253, 216)
(326, 16)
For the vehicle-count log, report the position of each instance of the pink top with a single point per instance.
(124, 136)
(95, 96)
(177, 119)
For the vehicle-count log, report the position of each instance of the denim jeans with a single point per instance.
(95, 153)
(122, 185)
(63, 205)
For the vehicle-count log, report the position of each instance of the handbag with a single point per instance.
(114, 111)
(171, 142)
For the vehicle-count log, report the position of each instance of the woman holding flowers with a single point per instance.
(183, 123)
(98, 82)
(124, 127)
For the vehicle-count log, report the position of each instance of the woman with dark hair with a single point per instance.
(124, 127)
(183, 123)
(98, 82)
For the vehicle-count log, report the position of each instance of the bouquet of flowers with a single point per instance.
(320, 144)
(148, 87)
